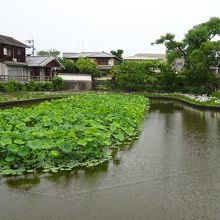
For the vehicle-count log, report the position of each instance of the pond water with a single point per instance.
(171, 172)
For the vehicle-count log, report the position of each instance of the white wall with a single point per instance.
(3, 69)
(111, 62)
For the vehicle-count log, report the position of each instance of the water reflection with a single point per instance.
(26, 183)
(198, 129)
(22, 183)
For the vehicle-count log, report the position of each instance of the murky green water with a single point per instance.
(172, 172)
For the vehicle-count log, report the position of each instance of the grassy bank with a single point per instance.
(213, 100)
(5, 97)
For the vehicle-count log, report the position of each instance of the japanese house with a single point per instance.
(42, 68)
(104, 61)
(12, 59)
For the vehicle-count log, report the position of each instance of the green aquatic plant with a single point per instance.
(66, 133)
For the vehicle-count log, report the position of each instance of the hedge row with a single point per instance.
(16, 86)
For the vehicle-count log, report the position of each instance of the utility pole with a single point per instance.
(31, 45)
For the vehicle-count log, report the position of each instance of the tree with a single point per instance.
(70, 66)
(87, 66)
(129, 75)
(118, 54)
(132, 75)
(192, 49)
(52, 53)
(203, 61)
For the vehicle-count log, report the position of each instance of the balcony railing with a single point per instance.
(6, 78)
(104, 67)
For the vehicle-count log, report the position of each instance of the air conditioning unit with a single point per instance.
(14, 59)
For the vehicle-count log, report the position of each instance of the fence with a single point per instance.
(6, 78)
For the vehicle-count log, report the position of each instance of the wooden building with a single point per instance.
(42, 68)
(12, 59)
(104, 61)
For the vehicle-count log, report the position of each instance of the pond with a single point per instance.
(171, 172)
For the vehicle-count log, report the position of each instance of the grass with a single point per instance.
(5, 97)
(213, 100)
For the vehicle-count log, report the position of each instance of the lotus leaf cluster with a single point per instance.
(67, 133)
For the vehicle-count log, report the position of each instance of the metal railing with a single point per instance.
(6, 78)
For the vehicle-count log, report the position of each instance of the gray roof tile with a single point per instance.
(11, 41)
(146, 56)
(38, 61)
(88, 54)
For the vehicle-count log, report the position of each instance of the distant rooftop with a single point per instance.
(147, 56)
(11, 41)
(40, 61)
(89, 55)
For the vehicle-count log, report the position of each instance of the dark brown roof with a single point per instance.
(11, 41)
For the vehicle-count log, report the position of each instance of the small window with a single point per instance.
(19, 51)
(7, 51)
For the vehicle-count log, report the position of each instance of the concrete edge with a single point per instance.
(198, 106)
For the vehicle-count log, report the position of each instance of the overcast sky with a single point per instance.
(101, 25)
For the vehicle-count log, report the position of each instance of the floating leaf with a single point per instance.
(10, 159)
(19, 141)
(82, 142)
(5, 141)
(54, 153)
(67, 148)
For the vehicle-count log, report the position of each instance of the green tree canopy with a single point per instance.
(204, 61)
(194, 39)
(87, 66)
(197, 49)
(70, 66)
(118, 53)
(133, 75)
(45, 53)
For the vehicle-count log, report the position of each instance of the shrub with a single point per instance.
(31, 86)
(216, 94)
(131, 75)
(193, 90)
(58, 83)
(39, 86)
(3, 87)
(87, 66)
(34, 86)
(70, 66)
(47, 86)
(14, 86)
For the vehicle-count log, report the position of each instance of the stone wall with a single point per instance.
(78, 85)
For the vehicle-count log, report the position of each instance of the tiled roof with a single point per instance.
(89, 54)
(11, 41)
(38, 61)
(146, 56)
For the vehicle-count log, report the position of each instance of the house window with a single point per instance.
(102, 61)
(19, 51)
(15, 73)
(7, 51)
